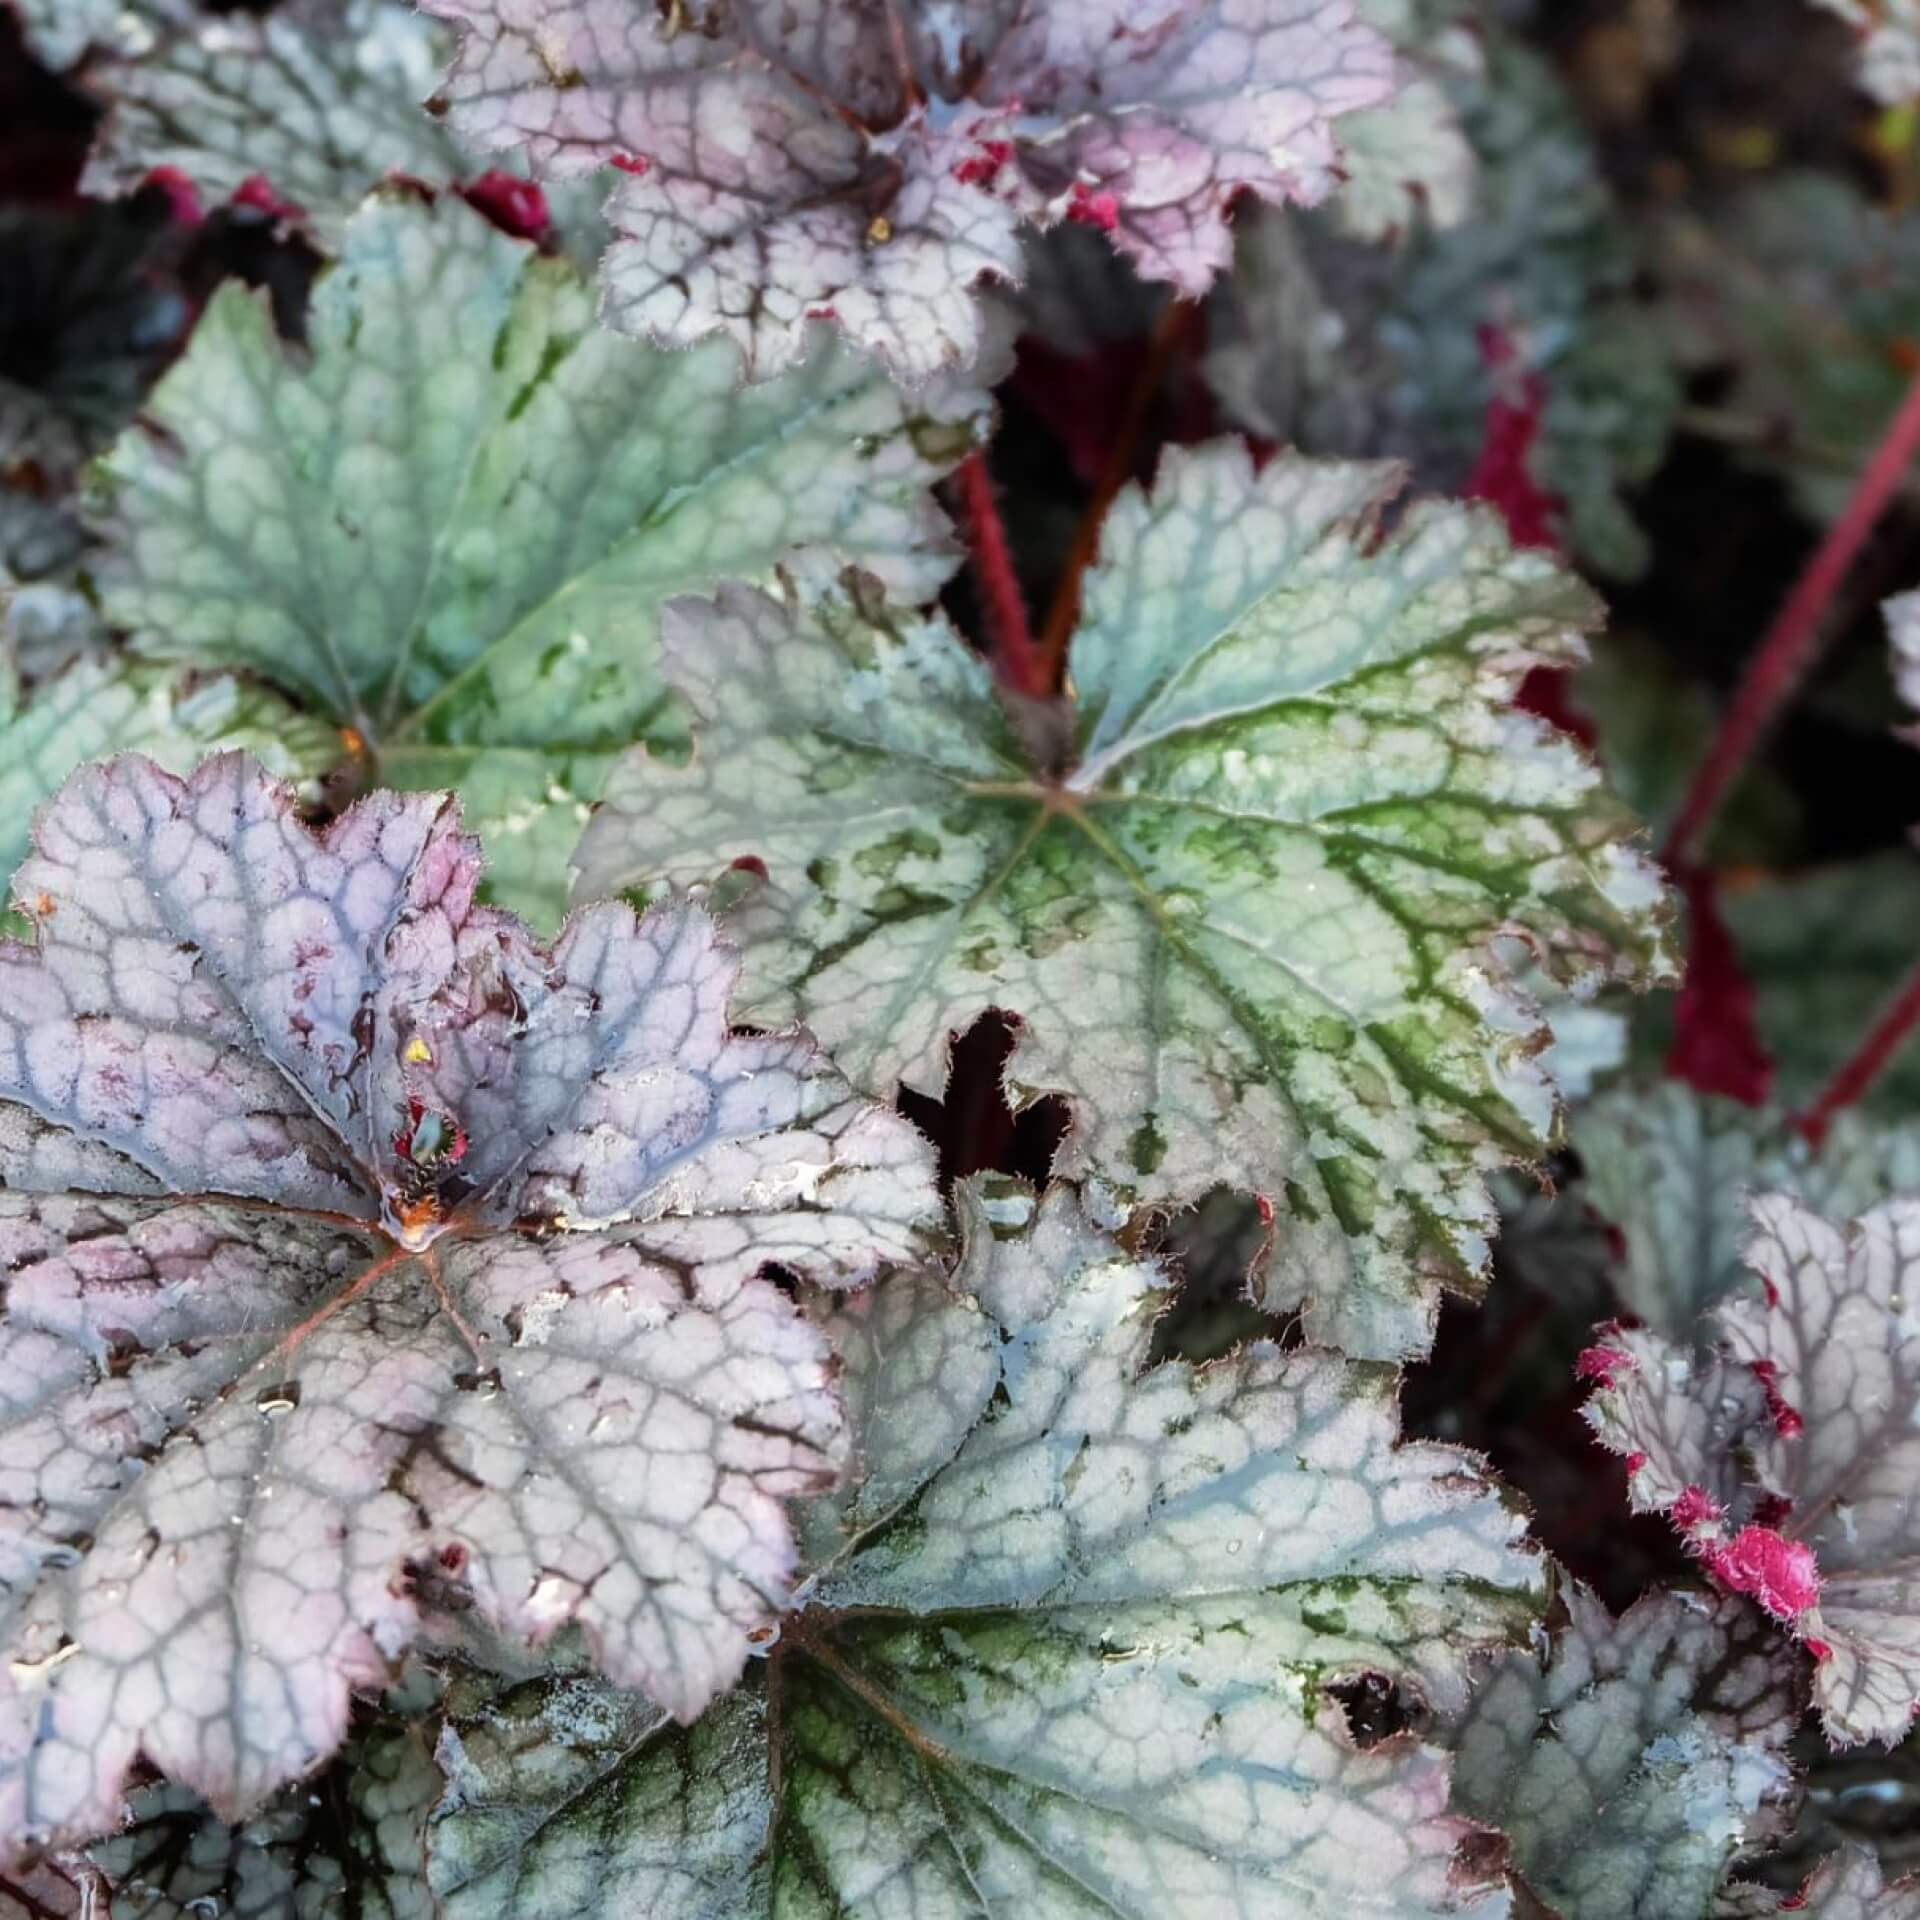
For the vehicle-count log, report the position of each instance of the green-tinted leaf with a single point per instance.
(1339, 348)
(451, 526)
(1068, 1652)
(1824, 950)
(1654, 728)
(1411, 158)
(1674, 1169)
(343, 1846)
(1250, 927)
(322, 111)
(1630, 1768)
(99, 707)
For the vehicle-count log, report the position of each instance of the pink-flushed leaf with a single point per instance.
(1848, 1885)
(874, 161)
(346, 1231)
(1786, 1452)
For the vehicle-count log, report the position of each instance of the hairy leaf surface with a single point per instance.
(875, 162)
(1673, 1170)
(1847, 1886)
(1246, 909)
(347, 1232)
(1786, 1454)
(1630, 1767)
(1019, 1682)
(452, 526)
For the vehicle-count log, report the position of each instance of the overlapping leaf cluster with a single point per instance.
(498, 1426)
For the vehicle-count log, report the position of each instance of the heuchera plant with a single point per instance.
(724, 1200)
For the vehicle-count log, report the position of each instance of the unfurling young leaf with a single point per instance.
(1243, 892)
(1076, 1645)
(451, 526)
(347, 1232)
(1630, 1768)
(874, 161)
(1786, 1454)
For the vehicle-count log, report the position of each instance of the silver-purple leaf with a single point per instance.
(1071, 1649)
(298, 1152)
(1786, 1453)
(874, 163)
(1630, 1765)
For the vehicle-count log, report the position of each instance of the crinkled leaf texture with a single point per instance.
(1339, 347)
(1786, 1454)
(104, 706)
(1249, 924)
(345, 1844)
(874, 161)
(1848, 1886)
(1630, 1767)
(1068, 1649)
(347, 1231)
(1410, 160)
(451, 526)
(321, 110)
(1673, 1169)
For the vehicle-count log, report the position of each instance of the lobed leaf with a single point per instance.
(348, 1233)
(874, 163)
(1323, 342)
(1786, 1453)
(1673, 1170)
(346, 1843)
(1847, 1886)
(451, 527)
(1631, 1766)
(1018, 1680)
(98, 707)
(1247, 920)
(321, 109)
